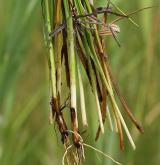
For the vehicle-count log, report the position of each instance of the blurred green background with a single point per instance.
(25, 134)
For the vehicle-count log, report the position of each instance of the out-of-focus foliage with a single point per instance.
(25, 135)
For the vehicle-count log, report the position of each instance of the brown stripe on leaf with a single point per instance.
(65, 54)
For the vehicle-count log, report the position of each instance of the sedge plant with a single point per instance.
(74, 33)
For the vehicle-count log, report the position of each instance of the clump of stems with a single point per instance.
(75, 38)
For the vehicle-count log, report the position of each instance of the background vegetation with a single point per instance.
(25, 135)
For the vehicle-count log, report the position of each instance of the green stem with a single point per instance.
(71, 57)
(82, 98)
(58, 45)
(51, 50)
(96, 97)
